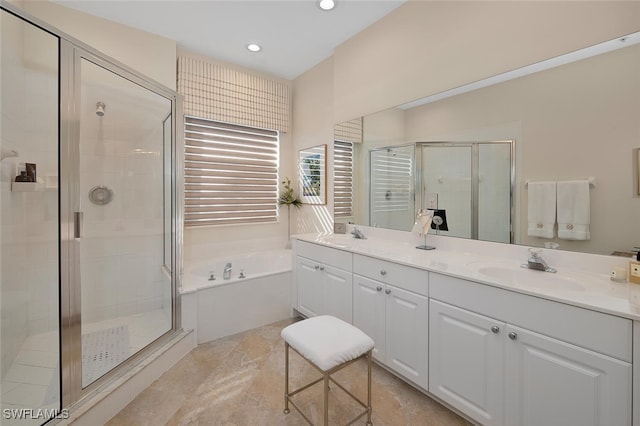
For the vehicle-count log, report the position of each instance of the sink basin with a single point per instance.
(342, 240)
(522, 277)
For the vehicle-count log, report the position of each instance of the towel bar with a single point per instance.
(591, 179)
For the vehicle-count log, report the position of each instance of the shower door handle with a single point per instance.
(78, 219)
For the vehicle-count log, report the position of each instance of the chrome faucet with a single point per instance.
(357, 234)
(227, 271)
(536, 262)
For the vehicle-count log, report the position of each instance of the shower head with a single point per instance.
(100, 107)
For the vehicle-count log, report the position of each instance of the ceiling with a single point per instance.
(295, 35)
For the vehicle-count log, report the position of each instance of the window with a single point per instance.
(342, 179)
(231, 173)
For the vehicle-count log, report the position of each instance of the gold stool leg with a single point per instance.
(286, 378)
(369, 356)
(326, 399)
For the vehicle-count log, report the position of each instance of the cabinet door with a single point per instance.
(369, 312)
(407, 334)
(309, 284)
(336, 293)
(466, 362)
(551, 382)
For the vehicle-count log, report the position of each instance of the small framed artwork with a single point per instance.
(312, 174)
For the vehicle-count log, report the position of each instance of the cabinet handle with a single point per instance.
(495, 329)
(322, 268)
(379, 288)
(513, 336)
(383, 272)
(388, 291)
(316, 267)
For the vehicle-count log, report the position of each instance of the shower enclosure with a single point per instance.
(472, 183)
(88, 240)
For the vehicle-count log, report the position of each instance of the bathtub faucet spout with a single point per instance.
(227, 271)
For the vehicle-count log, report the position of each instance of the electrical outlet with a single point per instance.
(431, 200)
(635, 270)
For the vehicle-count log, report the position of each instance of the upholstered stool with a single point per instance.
(329, 344)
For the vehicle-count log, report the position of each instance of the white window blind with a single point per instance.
(342, 179)
(231, 173)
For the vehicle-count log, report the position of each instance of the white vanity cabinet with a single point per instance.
(390, 305)
(560, 365)
(323, 281)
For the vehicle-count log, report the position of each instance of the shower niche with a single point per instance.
(87, 278)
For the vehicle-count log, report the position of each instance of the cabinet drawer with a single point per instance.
(325, 255)
(405, 277)
(603, 333)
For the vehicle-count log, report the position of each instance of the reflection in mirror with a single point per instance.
(312, 174)
(571, 122)
(472, 183)
(392, 198)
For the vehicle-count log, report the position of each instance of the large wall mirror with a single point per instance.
(570, 122)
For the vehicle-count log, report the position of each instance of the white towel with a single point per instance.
(574, 214)
(541, 214)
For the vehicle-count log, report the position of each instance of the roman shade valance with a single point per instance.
(227, 95)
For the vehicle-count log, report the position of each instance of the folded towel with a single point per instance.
(574, 214)
(541, 212)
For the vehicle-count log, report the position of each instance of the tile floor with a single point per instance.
(239, 380)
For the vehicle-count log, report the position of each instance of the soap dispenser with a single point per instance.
(634, 269)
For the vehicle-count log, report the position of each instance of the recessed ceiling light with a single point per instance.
(326, 4)
(254, 47)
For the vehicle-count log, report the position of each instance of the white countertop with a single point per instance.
(587, 287)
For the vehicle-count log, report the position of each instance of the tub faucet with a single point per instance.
(537, 263)
(357, 234)
(227, 271)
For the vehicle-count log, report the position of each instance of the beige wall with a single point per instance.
(147, 53)
(425, 47)
(313, 125)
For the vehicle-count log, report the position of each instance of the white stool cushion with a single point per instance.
(327, 341)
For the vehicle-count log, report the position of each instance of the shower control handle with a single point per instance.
(78, 218)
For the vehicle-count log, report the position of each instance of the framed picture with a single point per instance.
(312, 174)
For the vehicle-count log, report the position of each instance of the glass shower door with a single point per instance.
(121, 219)
(29, 255)
(447, 185)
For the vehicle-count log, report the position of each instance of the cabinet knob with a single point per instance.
(513, 336)
(388, 291)
(316, 267)
(495, 329)
(383, 272)
(322, 268)
(379, 288)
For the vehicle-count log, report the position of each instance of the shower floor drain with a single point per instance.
(102, 350)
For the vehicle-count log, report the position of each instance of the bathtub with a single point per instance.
(215, 308)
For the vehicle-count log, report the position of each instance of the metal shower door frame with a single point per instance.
(475, 179)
